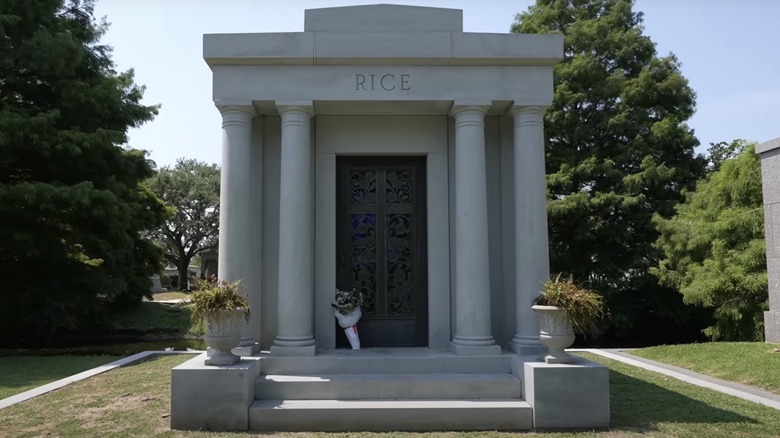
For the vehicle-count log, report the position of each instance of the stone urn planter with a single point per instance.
(221, 307)
(555, 332)
(563, 308)
(223, 333)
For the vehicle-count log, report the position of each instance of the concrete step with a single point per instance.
(389, 415)
(386, 361)
(388, 386)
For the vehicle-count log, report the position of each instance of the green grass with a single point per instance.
(135, 401)
(157, 318)
(749, 363)
(22, 373)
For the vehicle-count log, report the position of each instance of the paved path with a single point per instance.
(35, 392)
(737, 390)
(174, 301)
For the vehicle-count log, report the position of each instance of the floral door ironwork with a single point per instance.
(381, 247)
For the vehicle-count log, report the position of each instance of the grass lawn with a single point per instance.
(135, 401)
(22, 373)
(157, 318)
(749, 363)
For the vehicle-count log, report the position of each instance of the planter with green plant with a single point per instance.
(220, 305)
(563, 308)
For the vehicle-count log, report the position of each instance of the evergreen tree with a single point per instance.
(715, 250)
(721, 151)
(191, 188)
(618, 151)
(73, 205)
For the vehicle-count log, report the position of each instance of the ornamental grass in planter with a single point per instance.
(563, 308)
(220, 305)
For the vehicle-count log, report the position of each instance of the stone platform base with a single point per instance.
(389, 389)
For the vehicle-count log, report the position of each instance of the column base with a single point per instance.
(283, 350)
(527, 346)
(772, 326)
(475, 350)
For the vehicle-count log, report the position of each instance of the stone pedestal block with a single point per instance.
(772, 326)
(213, 398)
(565, 396)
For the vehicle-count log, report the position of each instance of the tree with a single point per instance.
(715, 251)
(721, 151)
(73, 203)
(617, 151)
(191, 188)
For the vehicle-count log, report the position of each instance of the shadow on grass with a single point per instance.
(639, 404)
(24, 372)
(150, 317)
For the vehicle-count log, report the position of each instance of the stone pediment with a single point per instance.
(383, 18)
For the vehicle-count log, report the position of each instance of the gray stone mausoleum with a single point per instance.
(384, 149)
(770, 179)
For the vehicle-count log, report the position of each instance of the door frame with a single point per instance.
(419, 241)
(379, 135)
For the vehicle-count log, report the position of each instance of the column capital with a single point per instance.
(237, 115)
(295, 106)
(475, 107)
(469, 115)
(525, 115)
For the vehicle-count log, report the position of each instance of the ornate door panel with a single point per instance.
(381, 247)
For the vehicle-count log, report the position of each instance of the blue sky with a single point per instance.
(729, 49)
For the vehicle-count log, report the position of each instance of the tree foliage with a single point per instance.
(617, 151)
(73, 205)
(191, 189)
(715, 251)
(721, 151)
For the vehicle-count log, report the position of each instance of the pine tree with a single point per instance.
(617, 151)
(73, 206)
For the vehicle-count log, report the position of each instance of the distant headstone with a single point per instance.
(156, 285)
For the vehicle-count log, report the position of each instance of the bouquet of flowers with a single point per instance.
(348, 313)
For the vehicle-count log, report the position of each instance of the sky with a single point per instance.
(729, 50)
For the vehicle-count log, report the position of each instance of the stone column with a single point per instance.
(294, 336)
(472, 274)
(770, 176)
(532, 260)
(235, 212)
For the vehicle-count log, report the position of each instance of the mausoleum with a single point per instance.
(386, 150)
(769, 152)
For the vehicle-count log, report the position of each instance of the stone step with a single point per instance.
(386, 362)
(389, 415)
(388, 386)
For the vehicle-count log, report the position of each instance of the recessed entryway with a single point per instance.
(381, 247)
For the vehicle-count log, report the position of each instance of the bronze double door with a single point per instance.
(381, 247)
